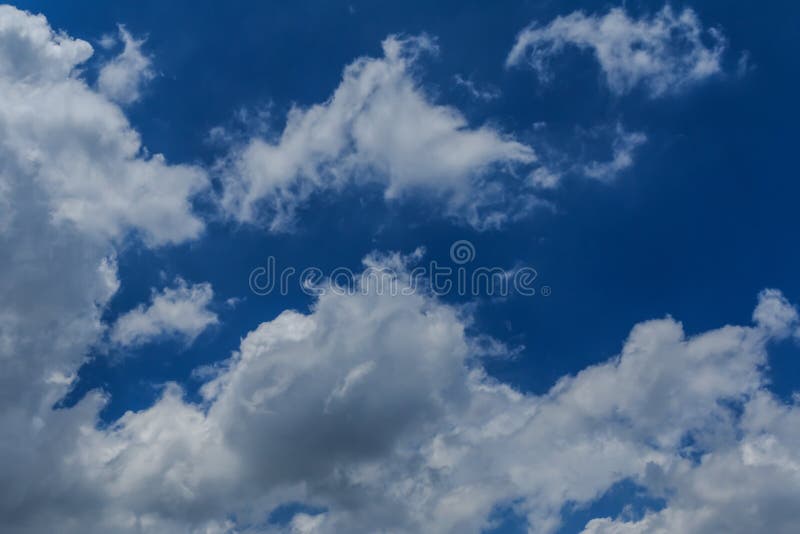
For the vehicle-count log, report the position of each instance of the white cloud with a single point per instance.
(372, 407)
(32, 52)
(664, 53)
(545, 178)
(486, 93)
(343, 409)
(774, 313)
(746, 485)
(379, 126)
(77, 149)
(122, 78)
(74, 181)
(623, 146)
(179, 311)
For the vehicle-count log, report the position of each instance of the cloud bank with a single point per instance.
(75, 181)
(373, 410)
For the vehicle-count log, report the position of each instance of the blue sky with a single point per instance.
(688, 223)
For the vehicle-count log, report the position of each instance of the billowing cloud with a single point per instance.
(380, 126)
(122, 78)
(745, 485)
(176, 311)
(374, 410)
(664, 53)
(74, 181)
(73, 149)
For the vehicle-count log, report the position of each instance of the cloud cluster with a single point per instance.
(664, 53)
(372, 409)
(74, 181)
(380, 126)
(180, 311)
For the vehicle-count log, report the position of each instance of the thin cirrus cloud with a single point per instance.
(75, 183)
(623, 147)
(664, 53)
(180, 311)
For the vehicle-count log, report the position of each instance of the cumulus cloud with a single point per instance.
(380, 126)
(76, 147)
(74, 182)
(374, 410)
(179, 311)
(122, 78)
(746, 485)
(371, 409)
(664, 53)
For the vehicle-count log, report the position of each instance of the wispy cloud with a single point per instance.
(664, 53)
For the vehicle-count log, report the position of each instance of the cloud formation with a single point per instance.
(664, 53)
(75, 182)
(343, 410)
(77, 149)
(122, 78)
(372, 409)
(624, 145)
(180, 311)
(380, 126)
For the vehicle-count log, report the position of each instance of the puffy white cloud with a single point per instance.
(375, 409)
(122, 78)
(380, 126)
(664, 53)
(775, 313)
(32, 52)
(742, 486)
(372, 407)
(74, 181)
(180, 311)
(76, 150)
